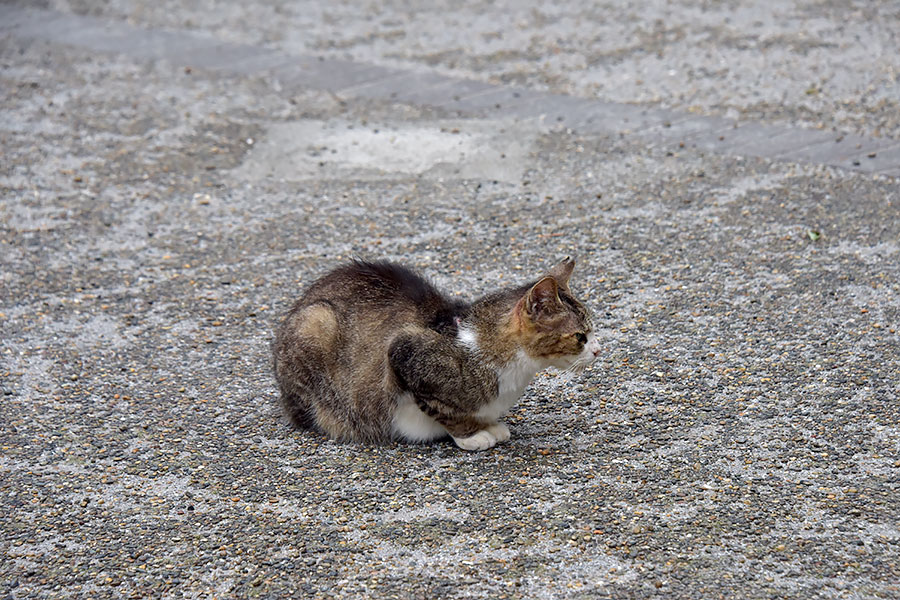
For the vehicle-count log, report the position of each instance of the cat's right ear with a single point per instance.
(543, 297)
(562, 271)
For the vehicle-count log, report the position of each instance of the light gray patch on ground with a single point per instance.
(339, 149)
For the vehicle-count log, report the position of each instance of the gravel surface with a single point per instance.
(818, 63)
(739, 439)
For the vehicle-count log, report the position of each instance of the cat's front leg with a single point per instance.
(484, 439)
(499, 431)
(447, 386)
(472, 434)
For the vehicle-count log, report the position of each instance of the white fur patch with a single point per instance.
(499, 431)
(411, 424)
(589, 353)
(591, 349)
(467, 336)
(512, 380)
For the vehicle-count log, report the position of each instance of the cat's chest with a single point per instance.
(512, 379)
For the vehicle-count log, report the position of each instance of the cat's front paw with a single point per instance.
(482, 440)
(499, 431)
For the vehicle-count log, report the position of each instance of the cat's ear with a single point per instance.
(543, 297)
(562, 271)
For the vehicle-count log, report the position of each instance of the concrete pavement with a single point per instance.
(725, 175)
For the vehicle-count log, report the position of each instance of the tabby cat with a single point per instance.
(373, 352)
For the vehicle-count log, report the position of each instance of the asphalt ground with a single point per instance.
(725, 175)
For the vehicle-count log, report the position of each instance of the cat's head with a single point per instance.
(553, 325)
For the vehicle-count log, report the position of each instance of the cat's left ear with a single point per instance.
(543, 298)
(562, 271)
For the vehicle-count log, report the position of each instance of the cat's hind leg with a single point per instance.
(304, 349)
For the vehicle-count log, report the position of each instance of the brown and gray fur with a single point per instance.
(373, 352)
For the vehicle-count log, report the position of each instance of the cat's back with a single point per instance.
(372, 282)
(381, 288)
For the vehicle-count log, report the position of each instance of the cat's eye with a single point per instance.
(582, 339)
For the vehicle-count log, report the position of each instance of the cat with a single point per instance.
(373, 352)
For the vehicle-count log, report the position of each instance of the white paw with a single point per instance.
(482, 440)
(499, 431)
